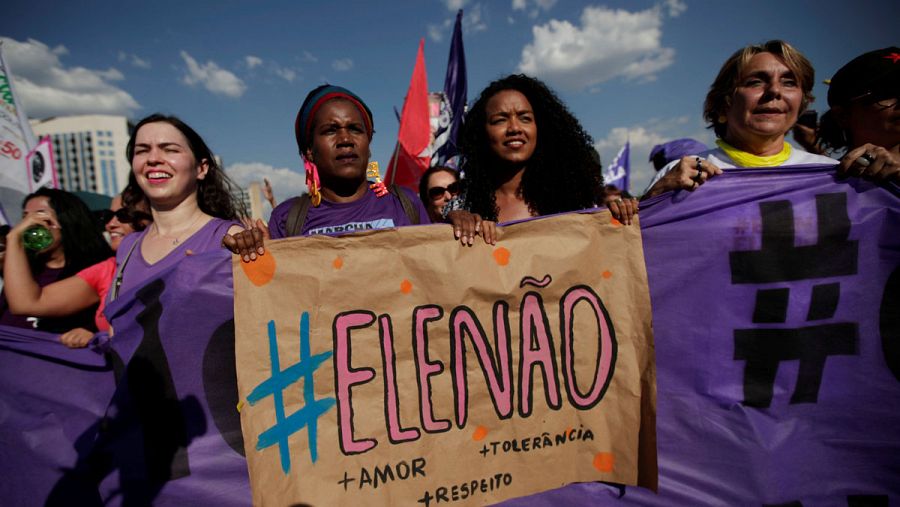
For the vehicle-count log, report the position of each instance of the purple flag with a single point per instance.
(775, 304)
(616, 172)
(171, 434)
(455, 89)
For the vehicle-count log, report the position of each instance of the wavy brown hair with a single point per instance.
(215, 192)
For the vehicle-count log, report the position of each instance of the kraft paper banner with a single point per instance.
(397, 367)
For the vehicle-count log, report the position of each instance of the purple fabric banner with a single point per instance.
(51, 401)
(775, 300)
(171, 434)
(776, 307)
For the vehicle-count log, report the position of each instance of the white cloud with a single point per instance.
(286, 183)
(284, 73)
(607, 44)
(437, 32)
(49, 88)
(252, 61)
(309, 57)
(676, 7)
(537, 6)
(134, 60)
(342, 65)
(643, 137)
(214, 78)
(472, 22)
(455, 5)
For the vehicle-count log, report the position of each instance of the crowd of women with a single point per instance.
(523, 154)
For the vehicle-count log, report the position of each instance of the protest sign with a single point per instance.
(397, 367)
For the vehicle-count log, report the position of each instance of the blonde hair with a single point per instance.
(722, 90)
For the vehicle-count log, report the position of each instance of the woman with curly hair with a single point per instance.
(526, 155)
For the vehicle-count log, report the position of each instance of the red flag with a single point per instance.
(410, 159)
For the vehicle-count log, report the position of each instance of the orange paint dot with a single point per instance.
(406, 286)
(479, 433)
(604, 461)
(614, 222)
(501, 256)
(260, 271)
(337, 263)
(606, 274)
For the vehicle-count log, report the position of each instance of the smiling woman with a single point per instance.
(175, 174)
(752, 104)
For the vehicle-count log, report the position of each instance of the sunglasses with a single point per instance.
(124, 216)
(435, 192)
(881, 100)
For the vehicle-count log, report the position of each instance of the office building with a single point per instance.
(88, 151)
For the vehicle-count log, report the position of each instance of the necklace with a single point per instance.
(176, 239)
(744, 159)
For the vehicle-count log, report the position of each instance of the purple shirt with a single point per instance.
(367, 213)
(138, 271)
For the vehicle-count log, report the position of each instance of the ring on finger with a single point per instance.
(865, 160)
(699, 164)
(698, 177)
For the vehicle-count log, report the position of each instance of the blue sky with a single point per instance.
(237, 71)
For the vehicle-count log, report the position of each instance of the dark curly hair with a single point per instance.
(215, 192)
(82, 242)
(562, 175)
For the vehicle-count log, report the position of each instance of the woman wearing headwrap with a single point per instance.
(752, 104)
(333, 130)
(864, 118)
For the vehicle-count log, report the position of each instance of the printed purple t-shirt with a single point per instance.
(368, 213)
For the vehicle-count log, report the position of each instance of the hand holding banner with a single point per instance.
(370, 373)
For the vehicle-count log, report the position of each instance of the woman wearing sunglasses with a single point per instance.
(864, 119)
(436, 187)
(74, 294)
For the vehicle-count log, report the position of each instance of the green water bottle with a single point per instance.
(37, 238)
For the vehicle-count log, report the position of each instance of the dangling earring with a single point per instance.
(722, 118)
(312, 182)
(377, 187)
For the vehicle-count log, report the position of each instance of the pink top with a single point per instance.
(100, 277)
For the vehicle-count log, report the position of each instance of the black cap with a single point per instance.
(876, 73)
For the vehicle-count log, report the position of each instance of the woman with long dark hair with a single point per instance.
(73, 294)
(77, 244)
(173, 173)
(526, 155)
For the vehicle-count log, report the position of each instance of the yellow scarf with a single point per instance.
(744, 159)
